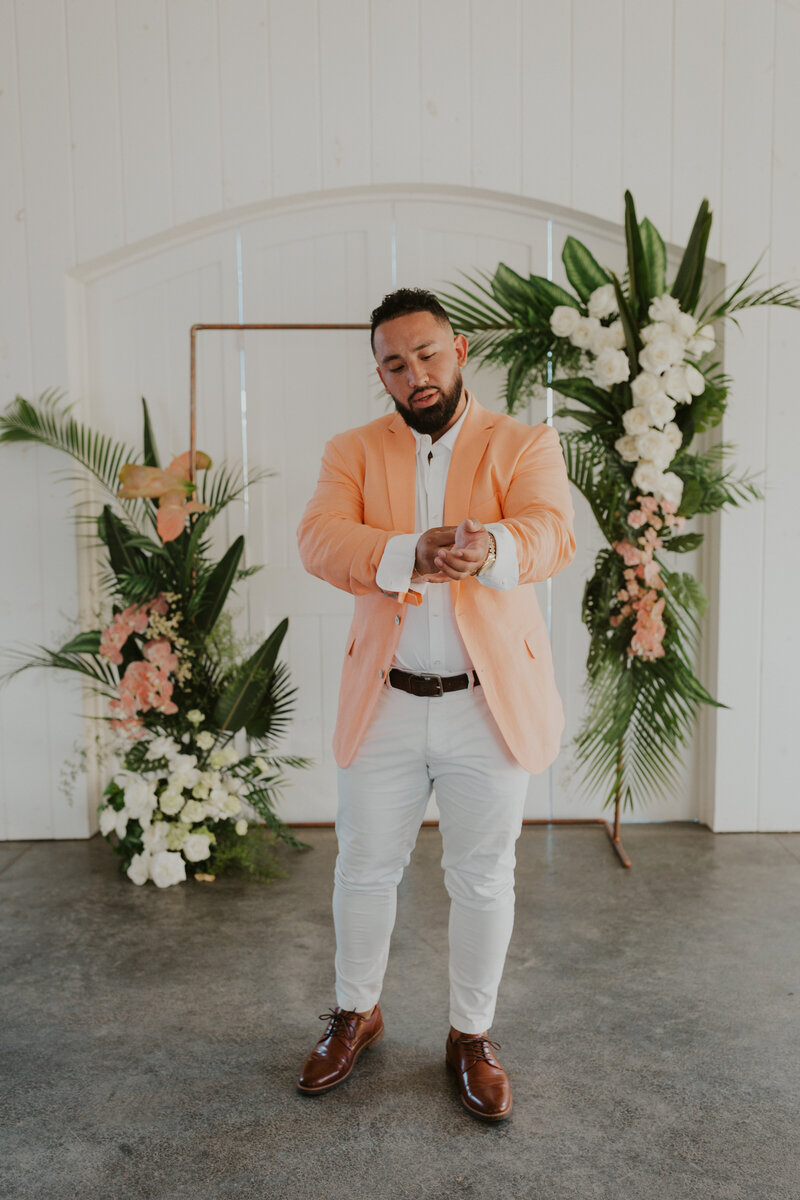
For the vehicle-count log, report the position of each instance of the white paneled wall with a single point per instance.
(123, 120)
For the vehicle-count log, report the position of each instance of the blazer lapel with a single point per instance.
(469, 449)
(400, 461)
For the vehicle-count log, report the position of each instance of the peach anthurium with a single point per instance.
(171, 487)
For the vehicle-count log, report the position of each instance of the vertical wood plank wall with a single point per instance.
(122, 120)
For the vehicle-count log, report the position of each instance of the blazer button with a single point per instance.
(397, 620)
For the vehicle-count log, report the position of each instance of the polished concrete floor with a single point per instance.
(649, 1021)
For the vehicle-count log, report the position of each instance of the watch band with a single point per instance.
(491, 555)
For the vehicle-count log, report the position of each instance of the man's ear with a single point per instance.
(461, 346)
(380, 376)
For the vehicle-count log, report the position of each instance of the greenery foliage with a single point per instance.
(642, 705)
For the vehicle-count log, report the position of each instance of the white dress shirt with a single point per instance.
(430, 640)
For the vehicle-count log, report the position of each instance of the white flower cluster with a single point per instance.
(604, 342)
(175, 804)
(652, 438)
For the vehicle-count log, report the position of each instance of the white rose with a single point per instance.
(611, 367)
(661, 353)
(167, 867)
(162, 747)
(635, 421)
(192, 811)
(694, 380)
(659, 410)
(241, 827)
(108, 820)
(216, 759)
(670, 488)
(703, 341)
(648, 333)
(196, 847)
(602, 338)
(664, 308)
(564, 320)
(674, 434)
(232, 806)
(674, 384)
(140, 799)
(155, 836)
(205, 740)
(171, 802)
(229, 755)
(177, 835)
(655, 447)
(121, 822)
(139, 870)
(200, 791)
(647, 476)
(626, 448)
(645, 385)
(262, 764)
(685, 325)
(585, 332)
(616, 335)
(195, 716)
(603, 301)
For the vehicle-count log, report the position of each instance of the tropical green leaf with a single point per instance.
(638, 267)
(656, 254)
(124, 556)
(633, 342)
(681, 543)
(686, 287)
(83, 643)
(583, 271)
(238, 705)
(217, 586)
(587, 393)
(150, 452)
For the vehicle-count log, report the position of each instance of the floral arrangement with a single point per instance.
(178, 687)
(639, 358)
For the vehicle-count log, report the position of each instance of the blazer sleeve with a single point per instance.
(538, 508)
(334, 543)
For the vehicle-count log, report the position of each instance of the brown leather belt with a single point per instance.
(430, 685)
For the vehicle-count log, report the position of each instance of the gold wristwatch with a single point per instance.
(491, 555)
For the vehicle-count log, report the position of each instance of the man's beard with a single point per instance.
(433, 418)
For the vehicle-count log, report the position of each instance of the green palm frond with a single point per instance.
(49, 423)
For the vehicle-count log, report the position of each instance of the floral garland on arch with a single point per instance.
(639, 359)
(179, 685)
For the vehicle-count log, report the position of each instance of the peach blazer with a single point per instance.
(500, 470)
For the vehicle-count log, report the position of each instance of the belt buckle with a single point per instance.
(440, 687)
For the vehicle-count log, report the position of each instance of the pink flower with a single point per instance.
(630, 554)
(614, 621)
(667, 506)
(637, 518)
(679, 523)
(649, 504)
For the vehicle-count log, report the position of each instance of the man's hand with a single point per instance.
(429, 546)
(460, 557)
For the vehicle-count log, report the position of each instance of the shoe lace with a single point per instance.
(479, 1050)
(341, 1024)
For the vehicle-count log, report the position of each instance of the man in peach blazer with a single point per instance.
(438, 519)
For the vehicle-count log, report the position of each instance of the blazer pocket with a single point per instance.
(350, 645)
(529, 643)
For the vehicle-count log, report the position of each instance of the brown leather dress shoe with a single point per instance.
(335, 1054)
(483, 1083)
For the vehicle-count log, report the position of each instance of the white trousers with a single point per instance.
(413, 744)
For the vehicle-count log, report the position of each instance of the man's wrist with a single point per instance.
(491, 555)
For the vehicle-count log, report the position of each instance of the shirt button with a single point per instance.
(380, 673)
(397, 620)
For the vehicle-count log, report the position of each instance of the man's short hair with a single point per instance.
(402, 303)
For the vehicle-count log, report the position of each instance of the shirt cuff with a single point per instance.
(397, 566)
(504, 571)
